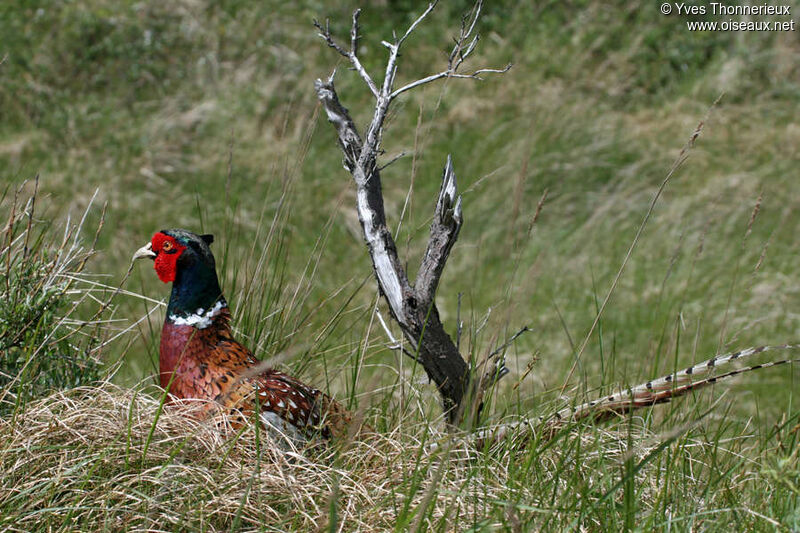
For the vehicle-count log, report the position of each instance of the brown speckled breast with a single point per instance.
(208, 364)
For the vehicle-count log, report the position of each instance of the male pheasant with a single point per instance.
(199, 359)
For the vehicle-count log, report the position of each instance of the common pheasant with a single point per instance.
(199, 358)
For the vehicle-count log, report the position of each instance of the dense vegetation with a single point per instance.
(40, 343)
(202, 115)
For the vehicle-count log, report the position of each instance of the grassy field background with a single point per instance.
(202, 115)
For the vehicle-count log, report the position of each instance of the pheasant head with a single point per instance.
(184, 259)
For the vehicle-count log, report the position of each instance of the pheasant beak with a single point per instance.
(144, 251)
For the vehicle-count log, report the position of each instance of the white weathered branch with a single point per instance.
(352, 54)
(465, 44)
(419, 322)
(394, 344)
(495, 363)
(369, 201)
(449, 74)
(414, 24)
(393, 160)
(446, 224)
(412, 307)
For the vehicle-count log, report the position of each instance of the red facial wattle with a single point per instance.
(166, 262)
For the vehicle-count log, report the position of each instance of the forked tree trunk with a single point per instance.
(412, 306)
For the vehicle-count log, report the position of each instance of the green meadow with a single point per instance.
(142, 116)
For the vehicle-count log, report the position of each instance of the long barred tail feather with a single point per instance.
(647, 394)
(666, 388)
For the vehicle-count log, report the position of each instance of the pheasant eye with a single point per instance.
(167, 246)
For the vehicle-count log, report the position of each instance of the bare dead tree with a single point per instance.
(411, 305)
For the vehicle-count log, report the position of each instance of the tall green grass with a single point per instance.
(202, 115)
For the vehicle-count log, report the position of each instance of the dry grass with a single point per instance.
(105, 458)
(108, 458)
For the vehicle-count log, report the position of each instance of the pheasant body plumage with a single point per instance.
(200, 359)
